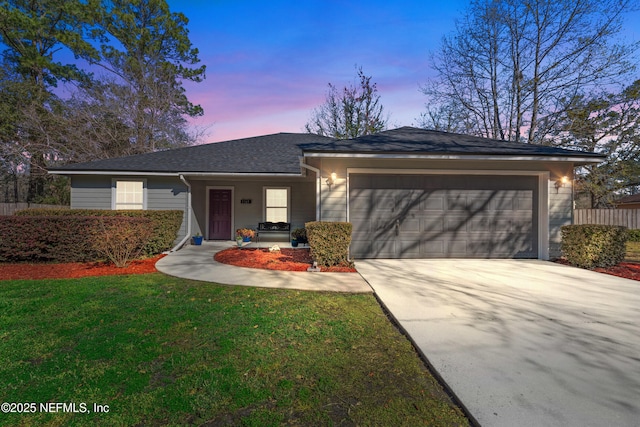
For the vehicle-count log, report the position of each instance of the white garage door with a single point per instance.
(443, 216)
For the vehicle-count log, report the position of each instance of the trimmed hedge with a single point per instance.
(58, 238)
(591, 246)
(165, 224)
(329, 242)
(633, 235)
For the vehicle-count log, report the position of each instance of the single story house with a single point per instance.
(628, 202)
(409, 193)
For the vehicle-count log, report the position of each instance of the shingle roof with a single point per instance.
(421, 141)
(277, 154)
(633, 198)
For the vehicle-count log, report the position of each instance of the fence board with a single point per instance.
(10, 208)
(629, 218)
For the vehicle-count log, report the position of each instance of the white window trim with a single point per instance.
(264, 200)
(114, 191)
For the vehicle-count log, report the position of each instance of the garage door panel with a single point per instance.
(361, 226)
(457, 202)
(382, 225)
(457, 247)
(385, 203)
(478, 204)
(524, 203)
(361, 205)
(444, 216)
(456, 223)
(433, 224)
(360, 246)
(384, 248)
(432, 203)
(409, 249)
(481, 222)
(434, 248)
(504, 203)
(410, 225)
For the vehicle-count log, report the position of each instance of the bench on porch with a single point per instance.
(273, 228)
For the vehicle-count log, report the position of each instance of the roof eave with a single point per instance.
(552, 158)
(187, 174)
(109, 172)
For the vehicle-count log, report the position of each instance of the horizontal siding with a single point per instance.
(90, 192)
(303, 204)
(560, 207)
(334, 201)
(168, 193)
(163, 193)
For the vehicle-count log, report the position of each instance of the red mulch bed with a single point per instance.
(627, 270)
(285, 259)
(75, 269)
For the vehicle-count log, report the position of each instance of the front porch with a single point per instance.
(219, 207)
(262, 244)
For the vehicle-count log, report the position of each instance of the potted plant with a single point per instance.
(299, 235)
(246, 233)
(239, 240)
(294, 242)
(197, 239)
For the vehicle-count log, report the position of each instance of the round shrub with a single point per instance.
(591, 246)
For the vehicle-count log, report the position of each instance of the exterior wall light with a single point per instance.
(560, 182)
(332, 179)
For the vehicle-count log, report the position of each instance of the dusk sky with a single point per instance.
(269, 62)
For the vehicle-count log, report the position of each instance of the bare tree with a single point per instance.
(446, 118)
(608, 124)
(510, 62)
(352, 112)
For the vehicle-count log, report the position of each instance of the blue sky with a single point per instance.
(269, 62)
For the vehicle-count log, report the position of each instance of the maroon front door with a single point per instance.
(219, 214)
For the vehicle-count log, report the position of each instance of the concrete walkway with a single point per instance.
(197, 263)
(522, 342)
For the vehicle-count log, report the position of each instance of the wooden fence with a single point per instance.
(10, 208)
(629, 218)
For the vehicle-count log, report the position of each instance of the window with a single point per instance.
(277, 204)
(128, 195)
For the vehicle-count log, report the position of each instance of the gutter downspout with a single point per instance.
(188, 213)
(317, 171)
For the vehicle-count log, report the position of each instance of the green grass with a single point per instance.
(164, 351)
(633, 252)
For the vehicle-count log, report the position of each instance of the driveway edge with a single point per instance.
(426, 361)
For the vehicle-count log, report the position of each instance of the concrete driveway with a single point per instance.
(522, 342)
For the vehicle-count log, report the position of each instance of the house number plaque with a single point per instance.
(245, 201)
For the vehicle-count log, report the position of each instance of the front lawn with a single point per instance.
(159, 350)
(633, 252)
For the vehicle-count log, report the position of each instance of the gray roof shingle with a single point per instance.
(422, 141)
(271, 154)
(279, 153)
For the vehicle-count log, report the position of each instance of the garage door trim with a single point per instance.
(543, 192)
